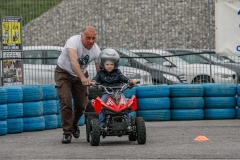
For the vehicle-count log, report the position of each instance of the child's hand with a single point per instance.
(92, 83)
(134, 81)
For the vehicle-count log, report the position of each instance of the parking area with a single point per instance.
(165, 140)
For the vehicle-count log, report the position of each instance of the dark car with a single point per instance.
(209, 57)
(160, 74)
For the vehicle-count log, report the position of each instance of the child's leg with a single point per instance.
(102, 116)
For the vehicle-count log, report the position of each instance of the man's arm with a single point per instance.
(97, 66)
(72, 54)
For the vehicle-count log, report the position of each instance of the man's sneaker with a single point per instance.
(76, 132)
(66, 138)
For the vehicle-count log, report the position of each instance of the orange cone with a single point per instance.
(201, 138)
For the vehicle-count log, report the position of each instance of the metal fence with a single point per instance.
(132, 25)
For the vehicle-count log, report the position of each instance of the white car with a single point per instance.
(41, 71)
(196, 73)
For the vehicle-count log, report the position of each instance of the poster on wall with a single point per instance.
(227, 27)
(11, 50)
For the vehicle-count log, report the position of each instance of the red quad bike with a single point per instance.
(115, 109)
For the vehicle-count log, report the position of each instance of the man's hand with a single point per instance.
(85, 81)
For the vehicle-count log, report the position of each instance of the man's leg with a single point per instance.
(63, 83)
(80, 96)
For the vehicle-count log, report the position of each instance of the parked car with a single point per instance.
(206, 57)
(41, 71)
(160, 74)
(195, 72)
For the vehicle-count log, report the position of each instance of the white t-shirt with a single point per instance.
(85, 56)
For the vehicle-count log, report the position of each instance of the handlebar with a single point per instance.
(125, 86)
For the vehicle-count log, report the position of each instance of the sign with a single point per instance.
(227, 27)
(11, 48)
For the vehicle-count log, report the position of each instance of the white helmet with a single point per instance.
(108, 54)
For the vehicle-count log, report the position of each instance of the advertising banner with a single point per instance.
(11, 48)
(227, 27)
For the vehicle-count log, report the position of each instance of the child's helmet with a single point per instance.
(108, 54)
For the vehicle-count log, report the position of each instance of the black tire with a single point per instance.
(94, 92)
(88, 120)
(92, 114)
(94, 132)
(202, 79)
(132, 137)
(141, 131)
(89, 107)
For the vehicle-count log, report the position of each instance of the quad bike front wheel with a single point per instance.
(141, 130)
(88, 120)
(94, 132)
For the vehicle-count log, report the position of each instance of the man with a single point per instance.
(71, 79)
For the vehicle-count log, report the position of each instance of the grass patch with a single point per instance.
(27, 9)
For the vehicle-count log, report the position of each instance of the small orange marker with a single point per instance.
(201, 138)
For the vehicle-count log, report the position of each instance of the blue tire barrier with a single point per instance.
(238, 89)
(128, 93)
(153, 103)
(49, 107)
(3, 112)
(220, 102)
(51, 121)
(220, 90)
(59, 120)
(14, 94)
(226, 113)
(32, 93)
(81, 121)
(14, 110)
(14, 125)
(56, 89)
(32, 109)
(133, 114)
(154, 115)
(186, 90)
(152, 91)
(187, 114)
(3, 95)
(33, 124)
(187, 103)
(238, 113)
(3, 128)
(49, 92)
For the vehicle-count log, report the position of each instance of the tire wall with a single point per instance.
(26, 108)
(21, 112)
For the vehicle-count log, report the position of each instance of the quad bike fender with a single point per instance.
(97, 104)
(133, 102)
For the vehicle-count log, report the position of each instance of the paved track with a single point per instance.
(165, 140)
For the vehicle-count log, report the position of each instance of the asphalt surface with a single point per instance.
(165, 140)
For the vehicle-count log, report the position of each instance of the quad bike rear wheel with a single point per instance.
(94, 132)
(141, 130)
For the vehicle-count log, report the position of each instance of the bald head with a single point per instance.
(88, 37)
(89, 29)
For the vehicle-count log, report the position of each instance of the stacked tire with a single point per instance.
(153, 102)
(186, 102)
(14, 109)
(220, 101)
(3, 111)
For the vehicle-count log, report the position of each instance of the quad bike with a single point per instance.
(115, 109)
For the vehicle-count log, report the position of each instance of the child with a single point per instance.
(110, 75)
